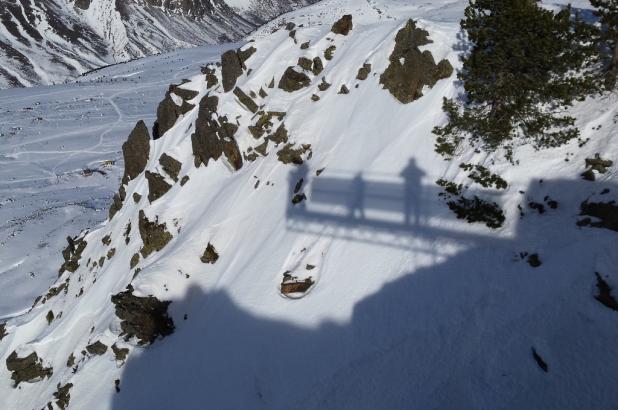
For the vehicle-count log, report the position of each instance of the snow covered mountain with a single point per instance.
(278, 240)
(48, 41)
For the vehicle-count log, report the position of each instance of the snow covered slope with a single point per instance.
(283, 245)
(48, 41)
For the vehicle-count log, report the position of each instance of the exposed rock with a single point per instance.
(290, 155)
(364, 72)
(329, 52)
(184, 180)
(98, 348)
(262, 93)
(210, 254)
(245, 100)
(214, 136)
(3, 330)
(605, 293)
(211, 76)
(120, 353)
(244, 55)
(410, 69)
(72, 254)
(82, 4)
(136, 151)
(127, 232)
(111, 253)
(304, 45)
(49, 317)
(145, 318)
(134, 260)
(62, 395)
(605, 212)
(315, 97)
(27, 369)
(343, 25)
(305, 63)
(71, 360)
(539, 360)
(534, 261)
(168, 111)
(155, 236)
(296, 286)
(293, 81)
(157, 186)
(115, 207)
(290, 26)
(318, 66)
(298, 198)
(136, 197)
(323, 86)
(595, 164)
(170, 165)
(344, 89)
(231, 69)
(107, 239)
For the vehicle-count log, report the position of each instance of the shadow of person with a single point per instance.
(413, 192)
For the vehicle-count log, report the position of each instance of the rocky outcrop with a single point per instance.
(97, 348)
(363, 72)
(410, 69)
(330, 52)
(72, 254)
(290, 155)
(144, 318)
(292, 80)
(27, 369)
(170, 165)
(136, 151)
(62, 395)
(154, 235)
(231, 69)
(157, 186)
(210, 254)
(245, 100)
(214, 136)
(343, 25)
(168, 111)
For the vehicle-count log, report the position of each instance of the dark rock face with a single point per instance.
(363, 72)
(343, 25)
(145, 318)
(168, 111)
(62, 395)
(211, 77)
(170, 165)
(98, 348)
(406, 81)
(136, 151)
(214, 136)
(606, 212)
(329, 53)
(210, 254)
(318, 66)
(231, 69)
(290, 155)
(27, 369)
(154, 235)
(72, 254)
(157, 187)
(120, 353)
(293, 81)
(305, 63)
(245, 100)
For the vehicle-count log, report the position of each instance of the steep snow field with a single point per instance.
(409, 306)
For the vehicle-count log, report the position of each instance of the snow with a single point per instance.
(432, 313)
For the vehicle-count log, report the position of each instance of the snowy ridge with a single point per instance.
(407, 303)
(50, 41)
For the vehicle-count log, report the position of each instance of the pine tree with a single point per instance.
(607, 12)
(525, 65)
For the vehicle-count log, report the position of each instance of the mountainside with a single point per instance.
(281, 238)
(49, 41)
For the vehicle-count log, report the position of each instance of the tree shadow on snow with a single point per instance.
(458, 334)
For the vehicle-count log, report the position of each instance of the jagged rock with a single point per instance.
(323, 86)
(111, 253)
(305, 63)
(343, 25)
(290, 155)
(27, 369)
(315, 97)
(280, 136)
(304, 45)
(318, 66)
(107, 239)
(157, 186)
(344, 89)
(98, 348)
(115, 207)
(231, 69)
(62, 395)
(290, 26)
(145, 318)
(410, 69)
(329, 52)
(72, 254)
(170, 165)
(244, 55)
(245, 100)
(364, 72)
(168, 111)
(134, 260)
(293, 81)
(262, 93)
(155, 236)
(136, 197)
(605, 212)
(71, 360)
(82, 4)
(211, 76)
(49, 317)
(120, 353)
(3, 330)
(296, 286)
(210, 254)
(184, 180)
(136, 151)
(214, 136)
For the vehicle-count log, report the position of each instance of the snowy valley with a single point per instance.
(280, 234)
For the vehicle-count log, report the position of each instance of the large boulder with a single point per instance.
(214, 136)
(169, 111)
(343, 25)
(170, 165)
(411, 69)
(231, 69)
(157, 186)
(136, 151)
(292, 80)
